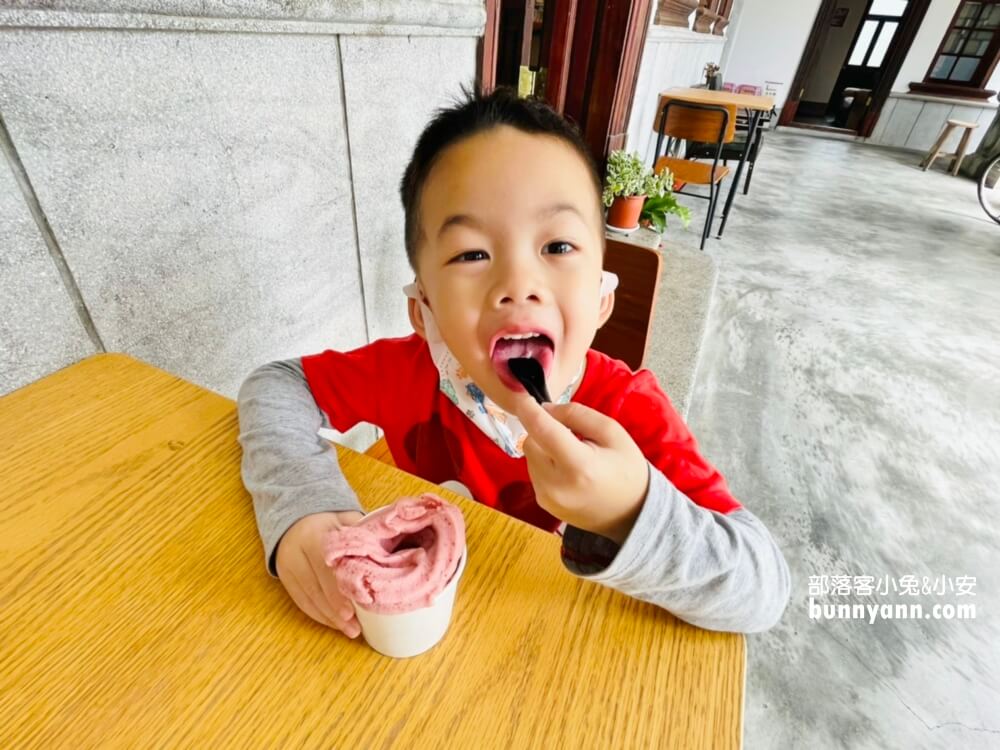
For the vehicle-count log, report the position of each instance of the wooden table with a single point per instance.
(755, 105)
(135, 610)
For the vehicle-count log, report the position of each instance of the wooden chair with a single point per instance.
(733, 151)
(713, 124)
(626, 334)
(938, 146)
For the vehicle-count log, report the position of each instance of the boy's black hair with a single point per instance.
(475, 112)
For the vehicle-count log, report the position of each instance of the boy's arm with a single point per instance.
(288, 470)
(717, 571)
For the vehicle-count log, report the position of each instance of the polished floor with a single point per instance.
(849, 389)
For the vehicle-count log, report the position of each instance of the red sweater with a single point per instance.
(393, 383)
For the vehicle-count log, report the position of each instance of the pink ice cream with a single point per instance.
(399, 558)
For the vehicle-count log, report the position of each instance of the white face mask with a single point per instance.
(502, 428)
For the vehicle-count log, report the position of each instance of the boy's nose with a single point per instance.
(518, 281)
(516, 297)
(516, 290)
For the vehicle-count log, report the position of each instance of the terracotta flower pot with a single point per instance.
(624, 212)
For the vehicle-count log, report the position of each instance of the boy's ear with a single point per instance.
(416, 317)
(607, 307)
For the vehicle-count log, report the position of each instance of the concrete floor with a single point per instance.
(849, 389)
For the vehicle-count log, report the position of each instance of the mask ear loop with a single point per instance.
(412, 291)
(609, 282)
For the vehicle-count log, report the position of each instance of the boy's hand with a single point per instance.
(597, 481)
(305, 575)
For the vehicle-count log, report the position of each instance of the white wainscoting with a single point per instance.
(914, 121)
(671, 57)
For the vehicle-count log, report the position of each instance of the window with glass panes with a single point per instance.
(876, 33)
(968, 53)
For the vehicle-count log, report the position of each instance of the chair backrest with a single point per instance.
(727, 87)
(692, 121)
(746, 88)
(626, 334)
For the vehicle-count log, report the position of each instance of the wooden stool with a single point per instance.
(935, 151)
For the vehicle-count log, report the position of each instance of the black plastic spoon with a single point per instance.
(531, 376)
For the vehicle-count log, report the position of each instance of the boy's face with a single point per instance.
(512, 245)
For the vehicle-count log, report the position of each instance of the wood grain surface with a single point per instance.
(135, 609)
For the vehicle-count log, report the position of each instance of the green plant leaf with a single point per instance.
(657, 208)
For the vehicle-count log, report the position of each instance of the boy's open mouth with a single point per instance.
(507, 345)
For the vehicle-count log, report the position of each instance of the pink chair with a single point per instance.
(727, 87)
(746, 88)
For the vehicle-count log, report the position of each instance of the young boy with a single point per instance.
(505, 232)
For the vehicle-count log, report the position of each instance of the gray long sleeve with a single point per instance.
(717, 571)
(288, 470)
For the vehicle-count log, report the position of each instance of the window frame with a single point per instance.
(880, 21)
(975, 87)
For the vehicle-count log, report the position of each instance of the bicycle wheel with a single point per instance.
(989, 190)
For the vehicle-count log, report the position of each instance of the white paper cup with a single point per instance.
(411, 633)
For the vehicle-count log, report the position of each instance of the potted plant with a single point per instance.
(661, 202)
(629, 187)
(624, 186)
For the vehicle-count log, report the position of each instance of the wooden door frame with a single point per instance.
(600, 42)
(557, 43)
(557, 46)
(810, 55)
(486, 56)
(891, 65)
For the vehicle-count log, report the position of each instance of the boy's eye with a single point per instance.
(559, 248)
(469, 256)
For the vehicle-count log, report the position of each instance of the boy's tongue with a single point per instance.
(538, 348)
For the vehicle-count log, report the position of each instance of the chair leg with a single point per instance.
(706, 230)
(935, 151)
(712, 206)
(746, 185)
(753, 159)
(960, 154)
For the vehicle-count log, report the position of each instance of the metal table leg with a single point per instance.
(751, 133)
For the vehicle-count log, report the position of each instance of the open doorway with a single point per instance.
(850, 62)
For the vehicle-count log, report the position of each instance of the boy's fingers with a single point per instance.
(305, 601)
(336, 604)
(550, 436)
(588, 423)
(332, 603)
(305, 590)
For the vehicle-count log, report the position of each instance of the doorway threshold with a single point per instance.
(822, 128)
(850, 136)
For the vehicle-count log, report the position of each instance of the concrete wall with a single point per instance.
(210, 185)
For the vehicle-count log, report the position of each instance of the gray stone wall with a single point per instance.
(208, 186)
